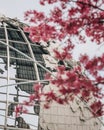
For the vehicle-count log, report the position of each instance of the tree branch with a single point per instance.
(88, 4)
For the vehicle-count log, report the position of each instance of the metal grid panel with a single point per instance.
(37, 50)
(20, 46)
(39, 57)
(15, 35)
(26, 72)
(27, 35)
(2, 33)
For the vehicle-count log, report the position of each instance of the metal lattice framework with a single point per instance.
(21, 65)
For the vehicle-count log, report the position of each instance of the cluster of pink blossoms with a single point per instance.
(65, 21)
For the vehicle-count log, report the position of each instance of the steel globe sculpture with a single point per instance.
(18, 72)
